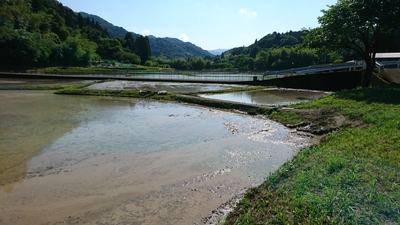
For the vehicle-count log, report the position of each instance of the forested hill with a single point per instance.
(169, 48)
(38, 33)
(274, 51)
(113, 31)
(270, 41)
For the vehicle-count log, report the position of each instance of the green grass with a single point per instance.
(286, 117)
(351, 177)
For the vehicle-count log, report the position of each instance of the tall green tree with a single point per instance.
(359, 25)
(129, 42)
(143, 48)
(79, 51)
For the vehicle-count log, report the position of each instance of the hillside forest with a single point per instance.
(44, 33)
(41, 33)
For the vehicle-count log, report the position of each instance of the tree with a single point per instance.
(143, 48)
(127, 57)
(129, 42)
(179, 63)
(196, 63)
(359, 25)
(79, 51)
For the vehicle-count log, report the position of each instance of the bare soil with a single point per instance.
(392, 75)
(322, 121)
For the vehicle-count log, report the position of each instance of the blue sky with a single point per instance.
(209, 24)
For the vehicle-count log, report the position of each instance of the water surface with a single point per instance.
(277, 97)
(100, 160)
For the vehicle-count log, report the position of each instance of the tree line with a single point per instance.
(269, 59)
(38, 33)
(275, 51)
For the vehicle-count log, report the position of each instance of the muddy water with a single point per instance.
(271, 96)
(96, 160)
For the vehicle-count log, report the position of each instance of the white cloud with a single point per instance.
(184, 38)
(146, 32)
(247, 13)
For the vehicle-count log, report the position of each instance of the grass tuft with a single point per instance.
(286, 117)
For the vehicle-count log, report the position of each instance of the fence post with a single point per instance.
(379, 70)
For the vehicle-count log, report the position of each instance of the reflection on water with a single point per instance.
(270, 96)
(104, 160)
(28, 122)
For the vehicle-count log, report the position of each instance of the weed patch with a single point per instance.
(351, 177)
(286, 117)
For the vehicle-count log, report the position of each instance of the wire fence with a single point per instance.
(202, 76)
(348, 66)
(186, 76)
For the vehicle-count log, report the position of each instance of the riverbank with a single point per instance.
(351, 177)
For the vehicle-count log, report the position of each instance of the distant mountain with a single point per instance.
(160, 47)
(113, 31)
(274, 40)
(217, 51)
(179, 48)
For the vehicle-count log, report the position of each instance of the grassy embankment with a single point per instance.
(351, 177)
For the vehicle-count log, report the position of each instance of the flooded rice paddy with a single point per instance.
(160, 86)
(271, 96)
(99, 160)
